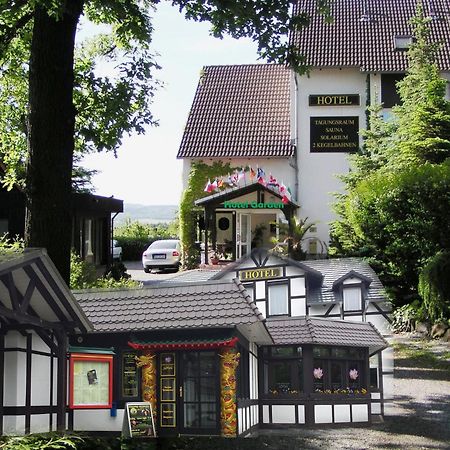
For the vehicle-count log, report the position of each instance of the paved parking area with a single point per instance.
(134, 268)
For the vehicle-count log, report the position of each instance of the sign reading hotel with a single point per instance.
(259, 274)
(334, 134)
(334, 100)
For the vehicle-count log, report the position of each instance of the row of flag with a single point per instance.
(239, 177)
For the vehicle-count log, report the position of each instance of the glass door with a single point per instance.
(199, 393)
(245, 235)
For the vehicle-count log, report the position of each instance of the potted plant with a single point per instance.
(214, 257)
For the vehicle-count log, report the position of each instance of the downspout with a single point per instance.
(110, 254)
(294, 163)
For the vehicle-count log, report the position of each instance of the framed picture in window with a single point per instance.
(90, 378)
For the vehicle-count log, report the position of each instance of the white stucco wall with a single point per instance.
(317, 171)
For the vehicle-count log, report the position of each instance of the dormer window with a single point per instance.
(352, 298)
(402, 42)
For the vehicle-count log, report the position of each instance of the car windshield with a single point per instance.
(164, 244)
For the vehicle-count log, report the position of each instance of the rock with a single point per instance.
(446, 336)
(423, 327)
(438, 330)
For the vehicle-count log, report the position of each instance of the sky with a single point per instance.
(146, 170)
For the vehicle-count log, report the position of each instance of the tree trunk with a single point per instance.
(51, 134)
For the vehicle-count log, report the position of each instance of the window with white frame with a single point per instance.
(352, 298)
(249, 289)
(278, 299)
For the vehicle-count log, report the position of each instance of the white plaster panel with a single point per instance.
(388, 386)
(262, 308)
(283, 413)
(301, 413)
(97, 420)
(360, 413)
(298, 307)
(352, 280)
(38, 344)
(247, 415)
(265, 410)
(380, 323)
(320, 310)
(376, 408)
(387, 356)
(40, 423)
(240, 421)
(14, 425)
(375, 395)
(260, 290)
(315, 193)
(323, 414)
(353, 318)
(255, 414)
(292, 271)
(15, 339)
(10, 379)
(298, 286)
(341, 413)
(40, 381)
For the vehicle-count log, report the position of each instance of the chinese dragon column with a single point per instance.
(148, 363)
(228, 407)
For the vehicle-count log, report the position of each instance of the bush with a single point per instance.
(405, 317)
(135, 237)
(83, 275)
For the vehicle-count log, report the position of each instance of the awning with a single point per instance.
(184, 344)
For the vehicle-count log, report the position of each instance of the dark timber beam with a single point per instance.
(61, 390)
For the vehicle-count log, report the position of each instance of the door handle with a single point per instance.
(181, 391)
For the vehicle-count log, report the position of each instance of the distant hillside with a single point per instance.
(147, 213)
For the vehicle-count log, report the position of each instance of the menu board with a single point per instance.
(129, 375)
(140, 419)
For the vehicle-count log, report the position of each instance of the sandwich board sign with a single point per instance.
(138, 421)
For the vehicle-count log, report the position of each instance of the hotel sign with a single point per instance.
(334, 100)
(260, 274)
(334, 134)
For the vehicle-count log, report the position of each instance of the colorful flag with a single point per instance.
(272, 181)
(220, 183)
(283, 189)
(208, 187)
(252, 174)
(214, 186)
(241, 175)
(285, 200)
(260, 172)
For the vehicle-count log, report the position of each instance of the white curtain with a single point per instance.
(278, 299)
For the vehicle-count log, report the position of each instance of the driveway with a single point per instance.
(134, 268)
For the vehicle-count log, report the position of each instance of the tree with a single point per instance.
(395, 210)
(52, 116)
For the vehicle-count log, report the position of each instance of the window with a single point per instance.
(352, 299)
(278, 299)
(283, 371)
(334, 370)
(389, 94)
(402, 42)
(250, 291)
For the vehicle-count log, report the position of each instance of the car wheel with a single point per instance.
(147, 270)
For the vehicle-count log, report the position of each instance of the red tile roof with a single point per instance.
(239, 111)
(363, 31)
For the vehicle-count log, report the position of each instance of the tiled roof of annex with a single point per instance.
(240, 111)
(167, 307)
(323, 331)
(362, 33)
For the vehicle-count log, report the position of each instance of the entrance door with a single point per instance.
(245, 235)
(199, 393)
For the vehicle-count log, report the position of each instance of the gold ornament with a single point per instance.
(148, 363)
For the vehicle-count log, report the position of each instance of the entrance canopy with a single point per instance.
(244, 217)
(228, 195)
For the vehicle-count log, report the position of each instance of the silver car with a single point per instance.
(162, 254)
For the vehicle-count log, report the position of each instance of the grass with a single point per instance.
(421, 353)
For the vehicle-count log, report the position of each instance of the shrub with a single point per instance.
(83, 275)
(405, 317)
(135, 237)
